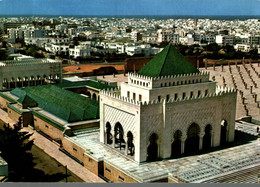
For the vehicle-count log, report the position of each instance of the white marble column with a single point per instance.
(114, 141)
(212, 138)
(126, 148)
(183, 144)
(201, 141)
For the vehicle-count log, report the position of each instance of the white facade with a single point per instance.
(167, 35)
(162, 111)
(219, 39)
(242, 47)
(80, 51)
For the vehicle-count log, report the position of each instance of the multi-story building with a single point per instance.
(167, 35)
(80, 51)
(35, 33)
(225, 40)
(254, 40)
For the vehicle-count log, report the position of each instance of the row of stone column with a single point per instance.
(22, 83)
(258, 75)
(250, 76)
(126, 145)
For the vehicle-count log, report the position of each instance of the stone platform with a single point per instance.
(246, 79)
(216, 166)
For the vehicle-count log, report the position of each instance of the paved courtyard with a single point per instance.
(206, 167)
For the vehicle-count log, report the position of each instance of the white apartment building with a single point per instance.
(167, 35)
(80, 51)
(242, 47)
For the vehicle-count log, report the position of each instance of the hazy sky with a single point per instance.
(130, 7)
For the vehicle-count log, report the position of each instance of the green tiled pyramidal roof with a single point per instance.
(62, 103)
(168, 62)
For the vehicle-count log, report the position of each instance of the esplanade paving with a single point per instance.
(208, 167)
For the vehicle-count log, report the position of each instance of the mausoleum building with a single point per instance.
(167, 109)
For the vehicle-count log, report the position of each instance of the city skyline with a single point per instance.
(133, 7)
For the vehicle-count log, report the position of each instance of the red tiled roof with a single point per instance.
(90, 68)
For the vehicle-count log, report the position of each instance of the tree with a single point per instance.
(33, 51)
(3, 54)
(163, 44)
(15, 148)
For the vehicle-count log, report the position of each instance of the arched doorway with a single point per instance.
(44, 80)
(38, 81)
(12, 83)
(88, 94)
(176, 144)
(223, 136)
(32, 81)
(192, 141)
(119, 136)
(130, 144)
(5, 83)
(152, 150)
(26, 81)
(109, 137)
(19, 82)
(207, 137)
(94, 96)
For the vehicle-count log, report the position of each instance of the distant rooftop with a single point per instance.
(89, 83)
(2, 161)
(27, 61)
